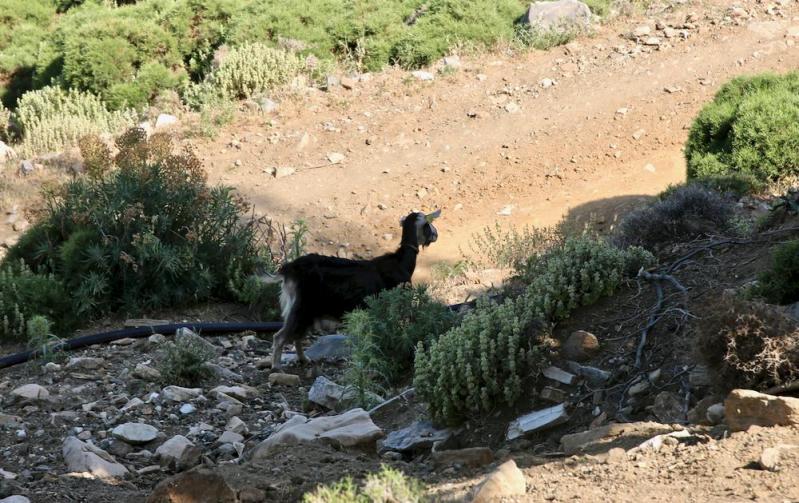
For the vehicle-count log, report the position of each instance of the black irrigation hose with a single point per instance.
(137, 332)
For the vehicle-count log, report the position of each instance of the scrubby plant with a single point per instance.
(42, 339)
(512, 247)
(5, 122)
(481, 363)
(749, 131)
(681, 214)
(52, 118)
(148, 233)
(542, 39)
(749, 345)
(780, 283)
(386, 332)
(25, 296)
(183, 363)
(386, 486)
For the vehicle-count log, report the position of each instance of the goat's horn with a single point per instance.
(432, 216)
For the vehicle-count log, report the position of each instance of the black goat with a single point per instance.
(316, 287)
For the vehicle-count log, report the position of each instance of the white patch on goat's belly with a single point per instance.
(288, 296)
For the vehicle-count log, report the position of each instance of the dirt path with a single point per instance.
(459, 143)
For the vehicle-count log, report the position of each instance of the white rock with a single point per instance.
(506, 481)
(135, 433)
(353, 428)
(451, 61)
(547, 83)
(187, 409)
(230, 437)
(31, 392)
(238, 392)
(6, 153)
(236, 425)
(512, 107)
(423, 75)
(15, 499)
(327, 393)
(180, 394)
(537, 420)
(281, 379)
(567, 15)
(83, 457)
(165, 121)
(335, 158)
(559, 375)
(178, 453)
(642, 31)
(132, 404)
(5, 475)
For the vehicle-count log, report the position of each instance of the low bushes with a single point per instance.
(750, 131)
(145, 231)
(749, 345)
(481, 363)
(683, 213)
(183, 363)
(386, 332)
(25, 296)
(386, 486)
(780, 283)
(51, 119)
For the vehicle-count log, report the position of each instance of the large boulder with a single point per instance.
(86, 458)
(561, 15)
(351, 429)
(744, 408)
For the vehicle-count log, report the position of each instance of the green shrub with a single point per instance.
(512, 248)
(780, 283)
(386, 486)
(25, 296)
(255, 69)
(749, 131)
(150, 233)
(52, 118)
(183, 363)
(542, 40)
(481, 363)
(681, 214)
(385, 334)
(5, 122)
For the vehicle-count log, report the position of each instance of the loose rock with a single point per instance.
(581, 346)
(744, 408)
(561, 15)
(135, 433)
(506, 481)
(83, 457)
(31, 392)
(180, 394)
(178, 453)
(418, 437)
(284, 379)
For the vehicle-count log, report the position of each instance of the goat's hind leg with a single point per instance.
(277, 349)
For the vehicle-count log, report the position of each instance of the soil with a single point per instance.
(605, 138)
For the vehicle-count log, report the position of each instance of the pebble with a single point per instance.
(284, 379)
(187, 409)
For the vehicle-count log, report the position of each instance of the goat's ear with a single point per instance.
(432, 216)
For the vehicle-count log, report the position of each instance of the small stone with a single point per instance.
(670, 32)
(284, 379)
(451, 61)
(165, 121)
(553, 394)
(423, 75)
(51, 367)
(616, 456)
(335, 158)
(180, 394)
(133, 403)
(559, 375)
(650, 168)
(237, 392)
(236, 425)
(230, 437)
(506, 481)
(31, 392)
(187, 409)
(715, 413)
(178, 453)
(506, 211)
(642, 31)
(652, 41)
(83, 363)
(267, 106)
(638, 134)
(512, 107)
(770, 459)
(283, 171)
(581, 346)
(156, 339)
(638, 388)
(146, 373)
(135, 433)
(546, 83)
(26, 167)
(6, 153)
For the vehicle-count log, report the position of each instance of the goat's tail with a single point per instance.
(270, 279)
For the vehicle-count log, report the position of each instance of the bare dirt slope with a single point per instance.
(490, 135)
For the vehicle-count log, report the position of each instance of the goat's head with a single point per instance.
(418, 228)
